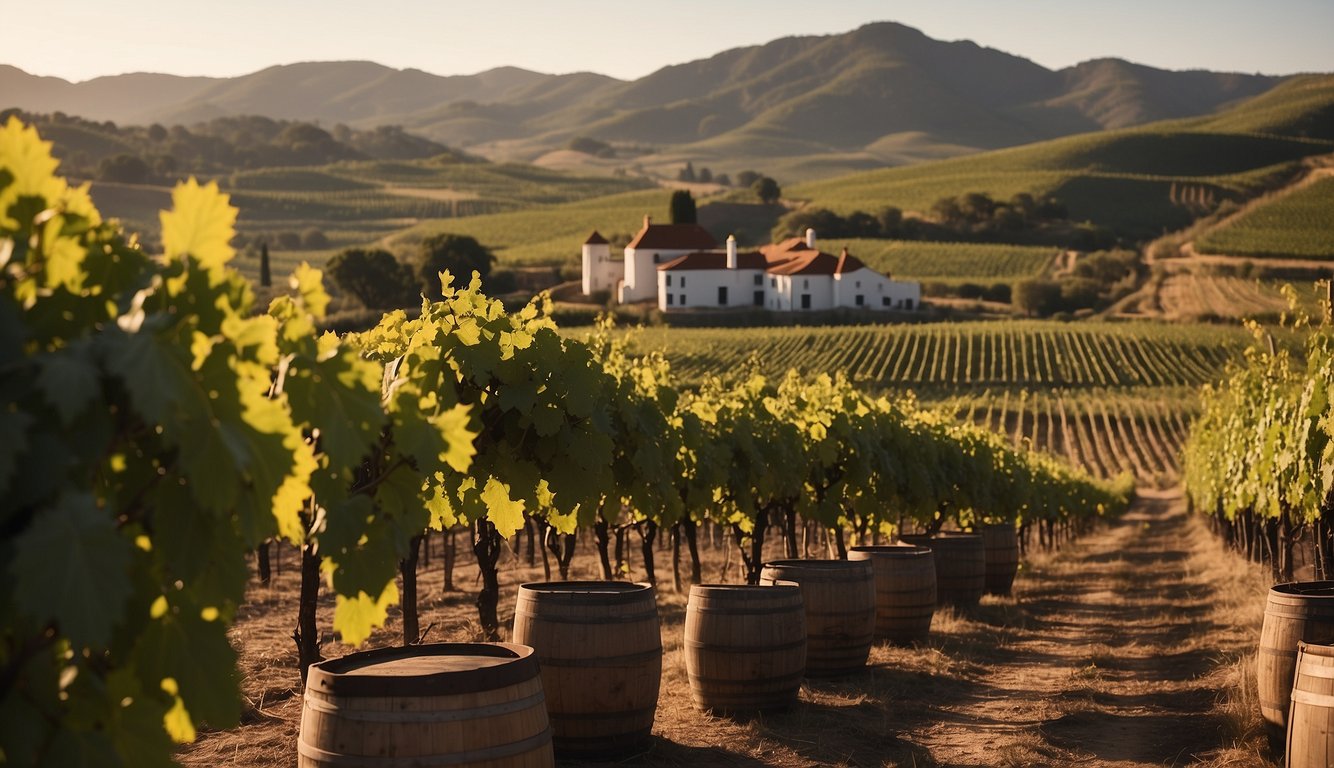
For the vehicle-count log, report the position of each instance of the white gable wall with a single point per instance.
(876, 290)
(641, 272)
(600, 272)
(700, 287)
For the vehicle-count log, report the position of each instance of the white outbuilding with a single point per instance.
(681, 266)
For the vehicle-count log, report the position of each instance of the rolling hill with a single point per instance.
(808, 106)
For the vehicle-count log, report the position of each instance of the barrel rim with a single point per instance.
(334, 677)
(1323, 650)
(719, 590)
(895, 550)
(834, 565)
(1305, 589)
(599, 592)
(940, 536)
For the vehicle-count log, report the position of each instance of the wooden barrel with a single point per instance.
(600, 649)
(455, 704)
(839, 596)
(961, 565)
(745, 646)
(1001, 543)
(1311, 716)
(905, 590)
(1297, 611)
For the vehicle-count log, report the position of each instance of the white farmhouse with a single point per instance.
(681, 266)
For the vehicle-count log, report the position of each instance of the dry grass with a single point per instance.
(1143, 626)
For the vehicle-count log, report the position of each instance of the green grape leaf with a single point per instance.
(341, 396)
(136, 722)
(355, 617)
(14, 426)
(71, 566)
(172, 646)
(69, 380)
(504, 514)
(200, 224)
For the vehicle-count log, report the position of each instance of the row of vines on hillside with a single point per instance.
(966, 354)
(1260, 459)
(158, 430)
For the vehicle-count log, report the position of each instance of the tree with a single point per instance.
(314, 239)
(723, 179)
(747, 178)
(767, 190)
(683, 207)
(705, 175)
(123, 169)
(1037, 297)
(265, 276)
(687, 173)
(460, 255)
(891, 219)
(374, 276)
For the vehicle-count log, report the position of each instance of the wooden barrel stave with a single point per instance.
(961, 566)
(600, 649)
(905, 589)
(1001, 543)
(1295, 612)
(839, 596)
(745, 646)
(1310, 736)
(387, 708)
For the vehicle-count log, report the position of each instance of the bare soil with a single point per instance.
(1131, 646)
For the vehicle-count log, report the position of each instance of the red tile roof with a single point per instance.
(714, 260)
(673, 237)
(806, 262)
(784, 250)
(848, 263)
(596, 239)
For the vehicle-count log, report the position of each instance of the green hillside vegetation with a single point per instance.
(550, 234)
(1136, 182)
(949, 263)
(1297, 225)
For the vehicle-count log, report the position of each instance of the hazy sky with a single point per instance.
(80, 39)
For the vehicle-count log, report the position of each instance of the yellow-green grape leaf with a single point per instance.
(308, 282)
(453, 425)
(505, 514)
(356, 617)
(28, 161)
(200, 224)
(295, 489)
(177, 721)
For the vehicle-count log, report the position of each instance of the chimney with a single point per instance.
(647, 220)
(731, 252)
(810, 238)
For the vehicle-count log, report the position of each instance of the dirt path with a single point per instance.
(1124, 648)
(1114, 654)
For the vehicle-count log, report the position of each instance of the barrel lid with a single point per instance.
(743, 590)
(1305, 588)
(819, 565)
(922, 538)
(890, 550)
(600, 592)
(438, 669)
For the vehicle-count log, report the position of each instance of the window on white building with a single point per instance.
(805, 283)
(670, 297)
(722, 295)
(759, 279)
(884, 301)
(683, 284)
(669, 279)
(805, 301)
(773, 282)
(860, 300)
(683, 298)
(859, 283)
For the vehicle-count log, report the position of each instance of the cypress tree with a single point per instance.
(265, 278)
(683, 207)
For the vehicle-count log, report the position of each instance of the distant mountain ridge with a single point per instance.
(881, 94)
